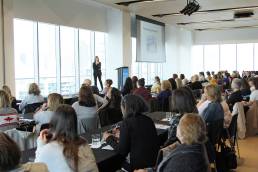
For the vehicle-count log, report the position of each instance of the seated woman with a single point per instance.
(134, 80)
(182, 102)
(33, 96)
(86, 108)
(190, 155)
(11, 97)
(94, 88)
(44, 115)
(204, 103)
(164, 95)
(253, 82)
(236, 95)
(211, 109)
(110, 113)
(128, 87)
(245, 89)
(156, 85)
(184, 80)
(10, 157)
(195, 84)
(108, 84)
(137, 137)
(61, 148)
(8, 115)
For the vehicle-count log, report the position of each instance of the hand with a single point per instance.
(44, 107)
(116, 132)
(106, 135)
(43, 135)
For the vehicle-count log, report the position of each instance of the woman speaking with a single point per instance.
(97, 72)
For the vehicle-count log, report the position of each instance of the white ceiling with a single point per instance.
(147, 9)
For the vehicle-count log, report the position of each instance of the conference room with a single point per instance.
(128, 85)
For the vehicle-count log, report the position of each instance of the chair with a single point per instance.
(87, 124)
(214, 131)
(109, 116)
(31, 108)
(232, 132)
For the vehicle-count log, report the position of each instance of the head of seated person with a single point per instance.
(34, 89)
(108, 83)
(166, 86)
(87, 82)
(141, 82)
(236, 84)
(9, 153)
(54, 100)
(212, 93)
(86, 97)
(132, 105)
(134, 80)
(253, 83)
(195, 78)
(8, 91)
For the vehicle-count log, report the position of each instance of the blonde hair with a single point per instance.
(54, 100)
(191, 129)
(179, 83)
(87, 82)
(165, 85)
(34, 89)
(195, 78)
(4, 99)
(211, 92)
(8, 91)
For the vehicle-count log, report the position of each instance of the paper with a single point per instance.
(108, 147)
(161, 126)
(165, 120)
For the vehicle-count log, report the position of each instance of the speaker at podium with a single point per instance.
(123, 73)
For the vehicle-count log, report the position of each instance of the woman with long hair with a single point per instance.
(11, 97)
(128, 86)
(61, 148)
(97, 71)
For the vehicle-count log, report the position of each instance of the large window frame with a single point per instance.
(77, 77)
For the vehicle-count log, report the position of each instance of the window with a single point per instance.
(25, 52)
(58, 58)
(245, 57)
(228, 57)
(47, 58)
(85, 55)
(197, 59)
(211, 58)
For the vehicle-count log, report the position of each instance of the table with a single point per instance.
(106, 159)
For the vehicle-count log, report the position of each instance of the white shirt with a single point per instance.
(30, 99)
(254, 95)
(42, 117)
(203, 106)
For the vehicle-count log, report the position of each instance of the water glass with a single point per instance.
(96, 143)
(168, 116)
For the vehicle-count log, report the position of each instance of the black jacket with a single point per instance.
(97, 68)
(185, 158)
(138, 136)
(234, 98)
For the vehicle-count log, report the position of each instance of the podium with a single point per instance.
(123, 73)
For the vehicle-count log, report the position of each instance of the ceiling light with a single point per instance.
(191, 7)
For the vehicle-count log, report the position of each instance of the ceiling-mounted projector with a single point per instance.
(191, 7)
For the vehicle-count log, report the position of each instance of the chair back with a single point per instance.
(215, 129)
(87, 124)
(109, 116)
(233, 126)
(31, 108)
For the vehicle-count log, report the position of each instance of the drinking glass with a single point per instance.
(95, 141)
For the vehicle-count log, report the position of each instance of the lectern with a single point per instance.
(123, 73)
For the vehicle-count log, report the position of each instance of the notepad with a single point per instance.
(161, 126)
(108, 147)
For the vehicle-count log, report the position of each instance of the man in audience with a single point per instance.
(95, 90)
(141, 90)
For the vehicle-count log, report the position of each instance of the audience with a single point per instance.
(164, 96)
(173, 83)
(132, 140)
(134, 80)
(156, 86)
(236, 95)
(196, 84)
(8, 115)
(11, 97)
(86, 108)
(110, 113)
(211, 109)
(189, 155)
(128, 87)
(61, 148)
(141, 90)
(184, 80)
(10, 156)
(32, 97)
(182, 102)
(208, 76)
(44, 115)
(95, 89)
(108, 84)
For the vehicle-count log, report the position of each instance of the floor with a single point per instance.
(248, 155)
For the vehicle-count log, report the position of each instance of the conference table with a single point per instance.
(108, 159)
